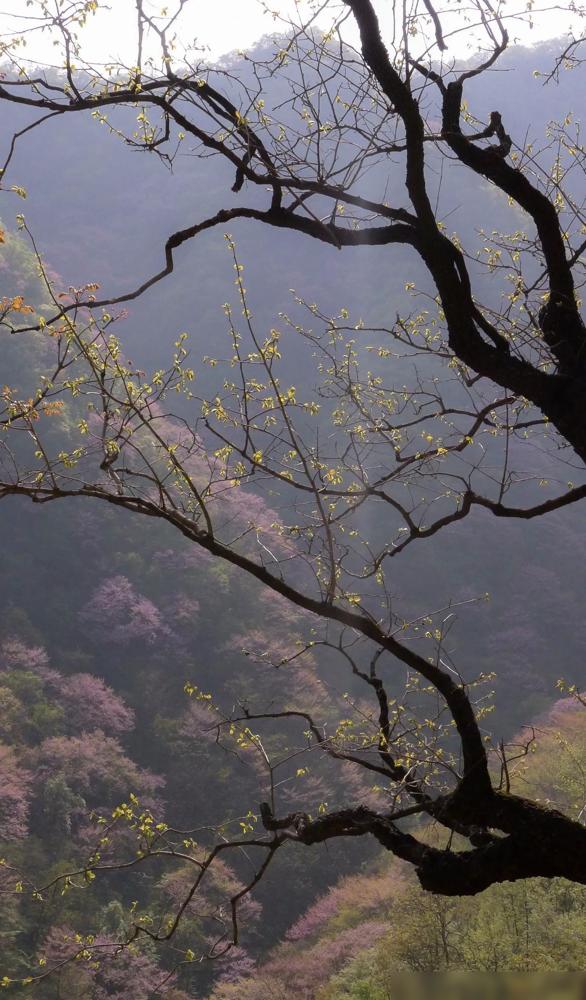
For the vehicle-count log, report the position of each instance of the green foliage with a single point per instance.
(361, 979)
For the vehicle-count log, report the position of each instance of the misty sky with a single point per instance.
(222, 26)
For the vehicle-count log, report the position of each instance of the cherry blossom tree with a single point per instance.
(122, 615)
(90, 704)
(95, 766)
(15, 782)
(97, 969)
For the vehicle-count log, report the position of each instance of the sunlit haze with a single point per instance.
(225, 26)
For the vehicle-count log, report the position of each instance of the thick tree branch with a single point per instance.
(553, 847)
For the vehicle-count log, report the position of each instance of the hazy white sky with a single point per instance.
(221, 25)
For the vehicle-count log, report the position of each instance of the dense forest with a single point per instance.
(126, 653)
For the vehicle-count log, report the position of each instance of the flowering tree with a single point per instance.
(498, 361)
(122, 615)
(93, 763)
(90, 704)
(104, 972)
(79, 703)
(14, 798)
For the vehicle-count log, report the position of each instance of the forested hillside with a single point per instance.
(125, 651)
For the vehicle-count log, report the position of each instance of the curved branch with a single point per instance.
(496, 507)
(476, 779)
(326, 232)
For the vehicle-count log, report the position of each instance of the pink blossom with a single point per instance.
(106, 971)
(236, 964)
(15, 655)
(311, 968)
(198, 722)
(358, 894)
(90, 704)
(185, 609)
(120, 614)
(218, 886)
(95, 766)
(15, 783)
